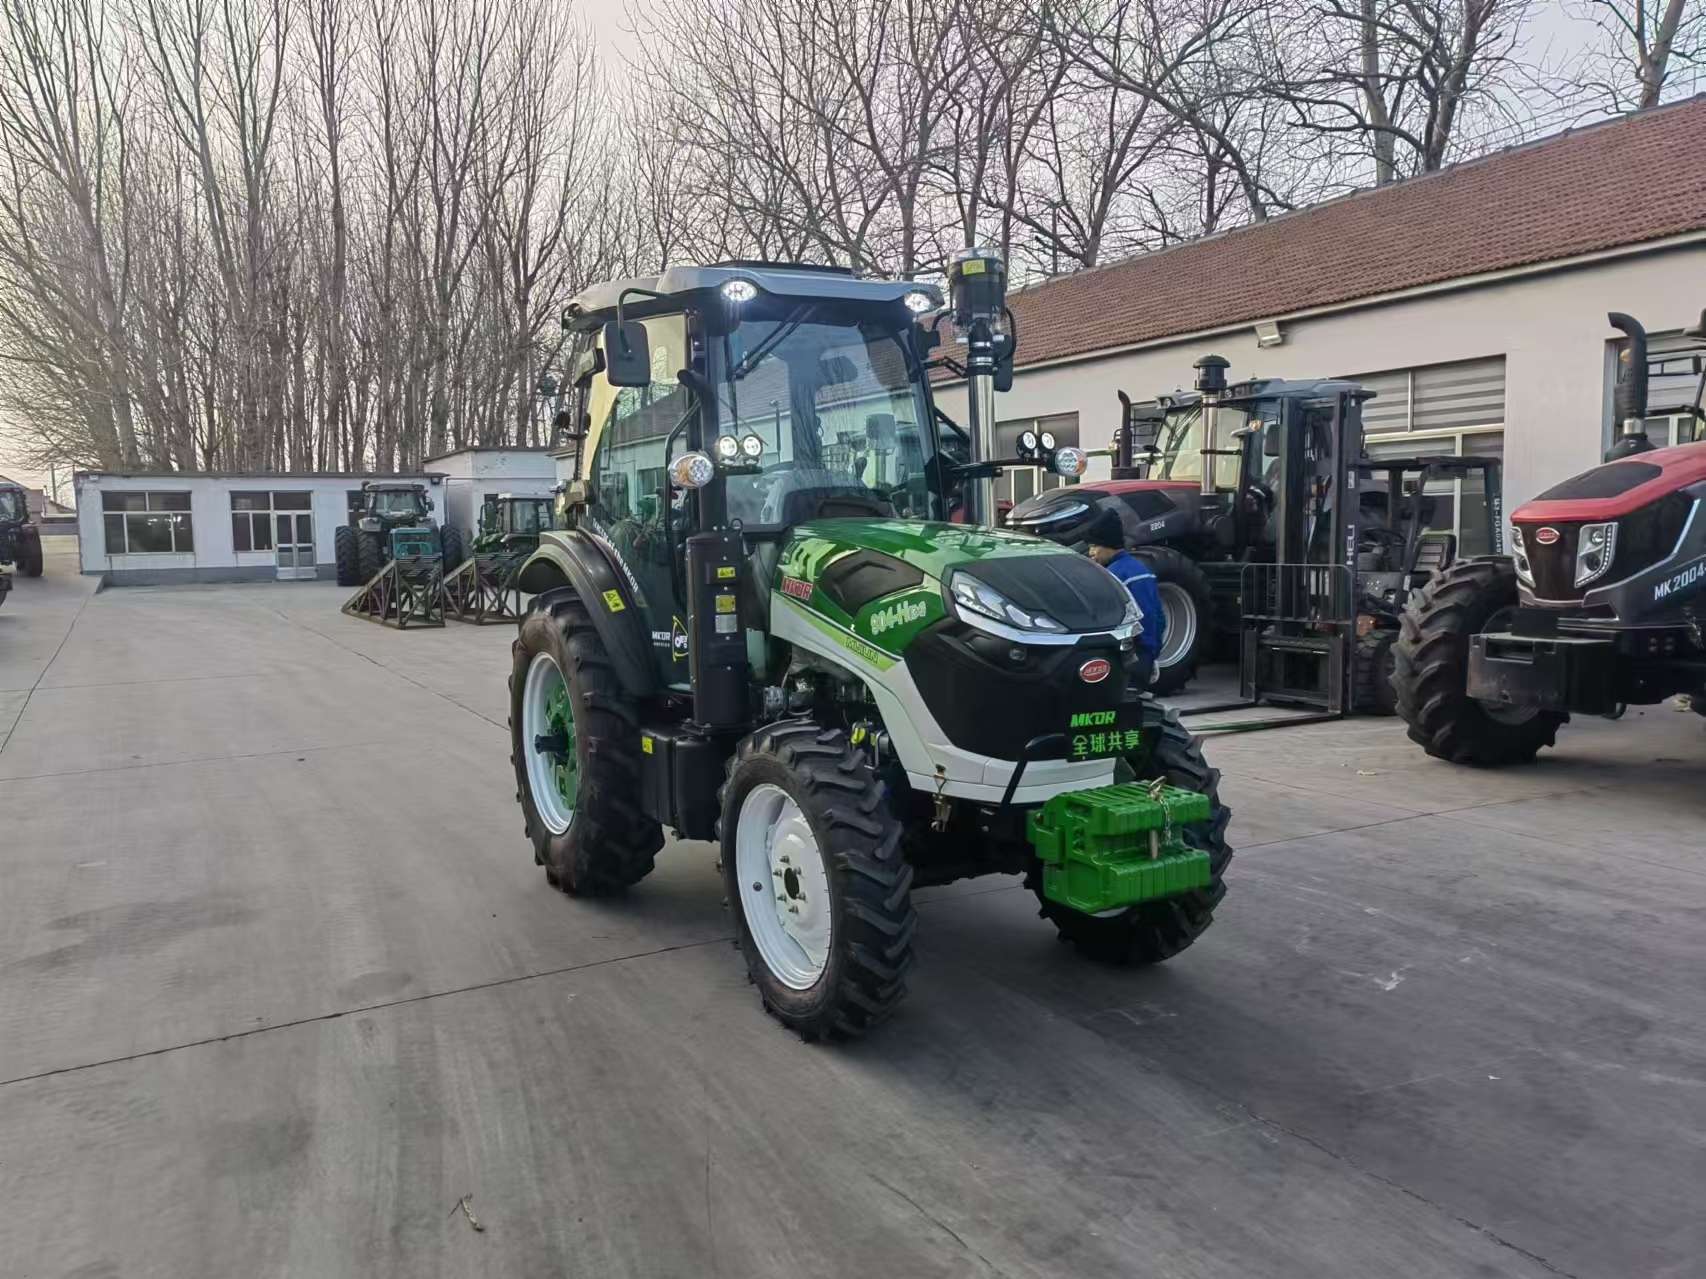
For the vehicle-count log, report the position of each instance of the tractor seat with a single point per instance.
(1434, 551)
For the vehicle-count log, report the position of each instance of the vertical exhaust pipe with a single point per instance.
(1629, 393)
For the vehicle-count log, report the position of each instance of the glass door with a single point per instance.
(294, 536)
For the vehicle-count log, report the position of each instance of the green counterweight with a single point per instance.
(1115, 846)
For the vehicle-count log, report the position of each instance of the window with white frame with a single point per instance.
(1435, 399)
(147, 523)
(1021, 482)
(253, 513)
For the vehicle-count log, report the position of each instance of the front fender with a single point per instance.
(568, 559)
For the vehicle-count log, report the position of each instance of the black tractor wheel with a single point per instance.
(814, 873)
(1152, 931)
(1189, 611)
(343, 552)
(369, 554)
(1431, 660)
(29, 555)
(575, 745)
(450, 543)
(1372, 665)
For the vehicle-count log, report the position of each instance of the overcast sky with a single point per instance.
(1556, 34)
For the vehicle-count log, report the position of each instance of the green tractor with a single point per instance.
(509, 523)
(365, 545)
(20, 540)
(762, 626)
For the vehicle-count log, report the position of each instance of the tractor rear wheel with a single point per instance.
(814, 873)
(1372, 665)
(1432, 670)
(369, 554)
(575, 745)
(1189, 611)
(450, 543)
(1152, 931)
(343, 552)
(29, 556)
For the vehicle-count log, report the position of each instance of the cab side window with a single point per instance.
(630, 428)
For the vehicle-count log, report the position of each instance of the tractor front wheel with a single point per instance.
(29, 558)
(343, 552)
(1155, 930)
(369, 554)
(815, 877)
(450, 544)
(1431, 660)
(1372, 665)
(575, 745)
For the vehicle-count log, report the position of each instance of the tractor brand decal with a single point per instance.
(1092, 719)
(660, 637)
(1095, 670)
(799, 588)
(678, 640)
(1690, 577)
(867, 653)
(1546, 536)
(1115, 741)
(902, 614)
(613, 601)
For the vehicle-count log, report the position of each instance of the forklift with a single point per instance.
(1271, 531)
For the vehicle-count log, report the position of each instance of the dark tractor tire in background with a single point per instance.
(812, 865)
(606, 844)
(1153, 931)
(369, 554)
(29, 556)
(1372, 667)
(1431, 660)
(450, 543)
(1189, 611)
(344, 553)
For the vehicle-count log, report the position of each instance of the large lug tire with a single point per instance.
(29, 555)
(1431, 660)
(369, 554)
(1372, 668)
(579, 790)
(343, 552)
(1153, 931)
(450, 542)
(805, 825)
(1189, 609)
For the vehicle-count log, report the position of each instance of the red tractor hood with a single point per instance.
(1618, 488)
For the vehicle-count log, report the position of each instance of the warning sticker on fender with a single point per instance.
(613, 601)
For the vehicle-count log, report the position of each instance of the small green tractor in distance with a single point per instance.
(365, 545)
(759, 627)
(509, 522)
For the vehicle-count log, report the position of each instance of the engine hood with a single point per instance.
(886, 580)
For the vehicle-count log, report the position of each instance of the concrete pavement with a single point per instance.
(279, 985)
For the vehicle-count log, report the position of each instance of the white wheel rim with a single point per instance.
(544, 683)
(1180, 612)
(784, 887)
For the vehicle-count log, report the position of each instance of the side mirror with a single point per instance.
(547, 387)
(1004, 352)
(1271, 440)
(1145, 430)
(627, 356)
(880, 431)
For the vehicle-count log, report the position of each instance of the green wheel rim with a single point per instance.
(548, 740)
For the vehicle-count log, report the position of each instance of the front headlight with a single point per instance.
(1133, 614)
(1519, 553)
(976, 600)
(1594, 547)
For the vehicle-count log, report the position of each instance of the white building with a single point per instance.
(1473, 301)
(472, 475)
(144, 530)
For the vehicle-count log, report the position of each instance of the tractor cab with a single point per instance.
(20, 540)
(510, 522)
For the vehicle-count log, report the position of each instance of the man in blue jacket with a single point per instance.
(1106, 536)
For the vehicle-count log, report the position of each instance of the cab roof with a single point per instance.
(1271, 388)
(782, 279)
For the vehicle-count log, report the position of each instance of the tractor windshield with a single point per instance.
(398, 502)
(528, 516)
(837, 402)
(11, 504)
(1181, 444)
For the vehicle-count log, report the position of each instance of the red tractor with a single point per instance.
(1600, 605)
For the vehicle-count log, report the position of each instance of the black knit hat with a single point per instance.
(1105, 529)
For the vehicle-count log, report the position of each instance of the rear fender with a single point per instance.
(569, 560)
